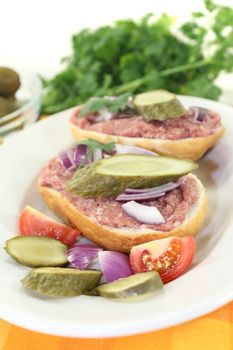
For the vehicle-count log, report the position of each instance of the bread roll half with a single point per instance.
(123, 239)
(187, 148)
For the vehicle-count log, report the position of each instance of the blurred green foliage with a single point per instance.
(133, 56)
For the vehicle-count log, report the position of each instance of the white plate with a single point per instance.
(205, 287)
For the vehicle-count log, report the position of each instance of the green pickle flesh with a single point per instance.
(61, 282)
(111, 176)
(35, 251)
(159, 105)
(132, 286)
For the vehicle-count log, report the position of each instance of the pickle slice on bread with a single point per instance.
(155, 120)
(158, 105)
(111, 176)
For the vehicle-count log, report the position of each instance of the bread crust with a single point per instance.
(189, 148)
(122, 239)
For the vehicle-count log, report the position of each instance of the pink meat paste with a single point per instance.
(137, 126)
(174, 205)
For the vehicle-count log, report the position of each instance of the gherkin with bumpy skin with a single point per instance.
(111, 176)
(61, 282)
(158, 105)
(9, 82)
(132, 286)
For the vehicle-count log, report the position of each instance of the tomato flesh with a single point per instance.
(170, 257)
(34, 223)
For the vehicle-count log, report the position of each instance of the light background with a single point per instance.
(36, 34)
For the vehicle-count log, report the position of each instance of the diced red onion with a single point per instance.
(126, 149)
(198, 113)
(194, 113)
(164, 188)
(99, 118)
(139, 196)
(75, 156)
(202, 112)
(65, 160)
(147, 193)
(70, 154)
(114, 265)
(94, 264)
(81, 255)
(80, 152)
(97, 154)
(143, 213)
(104, 116)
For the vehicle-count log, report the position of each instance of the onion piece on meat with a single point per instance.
(202, 112)
(104, 116)
(146, 193)
(139, 196)
(114, 265)
(125, 149)
(162, 188)
(80, 155)
(81, 255)
(143, 213)
(198, 113)
(65, 160)
(75, 156)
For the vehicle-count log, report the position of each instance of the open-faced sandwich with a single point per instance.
(154, 120)
(124, 199)
(119, 200)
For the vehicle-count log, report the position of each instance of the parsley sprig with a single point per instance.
(113, 105)
(92, 145)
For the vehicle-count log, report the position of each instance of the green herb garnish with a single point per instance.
(92, 145)
(96, 104)
(137, 56)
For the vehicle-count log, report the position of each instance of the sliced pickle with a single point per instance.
(111, 176)
(61, 282)
(37, 251)
(159, 105)
(132, 286)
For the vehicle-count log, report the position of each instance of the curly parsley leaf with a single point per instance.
(94, 104)
(210, 5)
(92, 145)
(113, 105)
(135, 56)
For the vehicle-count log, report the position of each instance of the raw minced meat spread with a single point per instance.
(137, 126)
(174, 205)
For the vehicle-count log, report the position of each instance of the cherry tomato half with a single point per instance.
(170, 257)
